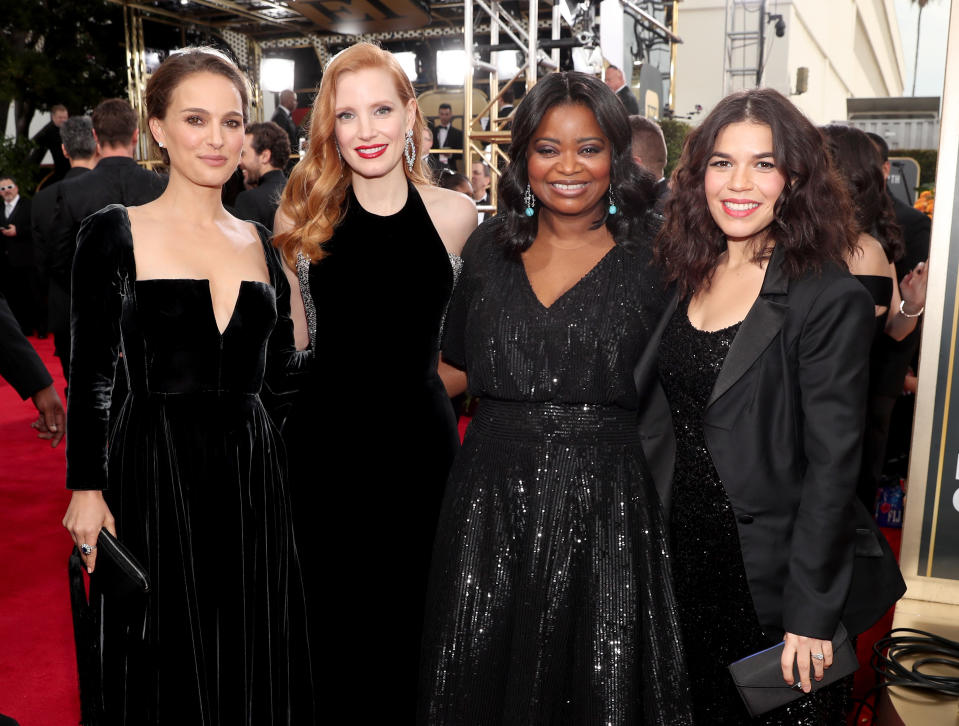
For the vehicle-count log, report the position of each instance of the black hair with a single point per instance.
(632, 186)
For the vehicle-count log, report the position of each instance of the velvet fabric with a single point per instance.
(371, 441)
(194, 474)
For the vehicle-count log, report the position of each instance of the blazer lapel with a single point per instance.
(762, 323)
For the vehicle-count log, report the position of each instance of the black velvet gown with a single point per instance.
(550, 599)
(371, 440)
(719, 621)
(194, 474)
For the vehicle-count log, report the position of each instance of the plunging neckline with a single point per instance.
(209, 288)
(580, 281)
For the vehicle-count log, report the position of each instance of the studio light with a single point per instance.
(407, 60)
(451, 67)
(276, 74)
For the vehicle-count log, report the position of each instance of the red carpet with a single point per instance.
(38, 672)
(38, 680)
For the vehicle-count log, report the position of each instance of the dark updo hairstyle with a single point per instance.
(177, 68)
(813, 217)
(633, 187)
(859, 163)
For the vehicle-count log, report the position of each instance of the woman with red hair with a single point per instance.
(372, 435)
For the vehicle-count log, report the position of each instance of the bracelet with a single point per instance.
(902, 310)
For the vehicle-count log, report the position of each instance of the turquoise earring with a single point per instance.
(612, 202)
(530, 201)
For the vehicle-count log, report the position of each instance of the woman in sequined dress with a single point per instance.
(550, 600)
(372, 435)
(763, 359)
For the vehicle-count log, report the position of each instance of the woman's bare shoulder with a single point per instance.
(453, 215)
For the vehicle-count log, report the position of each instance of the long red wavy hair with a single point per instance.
(313, 200)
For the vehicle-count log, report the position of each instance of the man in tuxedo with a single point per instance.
(79, 147)
(48, 139)
(480, 178)
(116, 179)
(18, 271)
(22, 368)
(266, 149)
(617, 83)
(649, 151)
(447, 137)
(283, 117)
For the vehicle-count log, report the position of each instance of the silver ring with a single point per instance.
(817, 656)
(87, 549)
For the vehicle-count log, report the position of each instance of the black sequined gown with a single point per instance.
(719, 623)
(371, 440)
(550, 600)
(194, 474)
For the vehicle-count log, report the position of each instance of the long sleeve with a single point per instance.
(833, 375)
(97, 294)
(19, 363)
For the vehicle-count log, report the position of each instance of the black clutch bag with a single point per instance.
(759, 677)
(117, 572)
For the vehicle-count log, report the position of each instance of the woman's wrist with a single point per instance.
(910, 310)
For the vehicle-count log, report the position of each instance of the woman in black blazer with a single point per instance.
(754, 407)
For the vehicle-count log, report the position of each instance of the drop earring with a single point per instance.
(409, 150)
(612, 202)
(530, 201)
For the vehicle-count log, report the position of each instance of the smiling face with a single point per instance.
(250, 163)
(743, 182)
(8, 189)
(568, 162)
(203, 129)
(371, 122)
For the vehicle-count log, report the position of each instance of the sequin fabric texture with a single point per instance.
(550, 600)
(719, 622)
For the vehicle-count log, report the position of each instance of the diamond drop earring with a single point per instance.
(409, 150)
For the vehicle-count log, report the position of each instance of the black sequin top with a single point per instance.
(716, 612)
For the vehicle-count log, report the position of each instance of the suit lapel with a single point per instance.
(645, 372)
(762, 323)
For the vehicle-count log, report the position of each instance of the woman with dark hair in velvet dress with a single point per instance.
(192, 481)
(898, 304)
(371, 435)
(550, 599)
(762, 357)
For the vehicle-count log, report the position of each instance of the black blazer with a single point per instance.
(285, 121)
(629, 100)
(454, 140)
(19, 363)
(259, 204)
(114, 180)
(783, 425)
(18, 249)
(42, 217)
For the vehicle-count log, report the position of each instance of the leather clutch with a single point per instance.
(759, 679)
(117, 572)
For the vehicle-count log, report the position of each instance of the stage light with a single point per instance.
(506, 64)
(451, 66)
(407, 60)
(276, 74)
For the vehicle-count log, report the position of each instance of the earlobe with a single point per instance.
(156, 131)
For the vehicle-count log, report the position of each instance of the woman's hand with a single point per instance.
(913, 289)
(87, 514)
(800, 649)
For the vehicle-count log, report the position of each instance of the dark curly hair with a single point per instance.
(859, 163)
(632, 186)
(813, 216)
